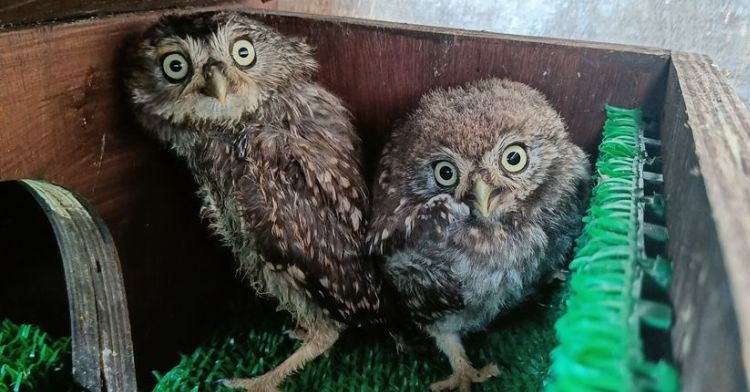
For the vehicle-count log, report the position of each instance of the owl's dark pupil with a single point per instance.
(513, 158)
(243, 52)
(175, 66)
(446, 173)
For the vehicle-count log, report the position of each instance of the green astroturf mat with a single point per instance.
(519, 342)
(30, 360)
(617, 303)
(587, 324)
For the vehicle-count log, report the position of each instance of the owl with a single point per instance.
(277, 163)
(477, 199)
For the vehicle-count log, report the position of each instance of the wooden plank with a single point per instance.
(705, 329)
(19, 13)
(381, 69)
(100, 327)
(707, 169)
(64, 120)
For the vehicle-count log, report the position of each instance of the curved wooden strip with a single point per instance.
(100, 327)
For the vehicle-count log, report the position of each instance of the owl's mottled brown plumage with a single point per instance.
(277, 162)
(478, 197)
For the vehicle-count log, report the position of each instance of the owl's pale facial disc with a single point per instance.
(496, 146)
(210, 79)
(213, 68)
(490, 184)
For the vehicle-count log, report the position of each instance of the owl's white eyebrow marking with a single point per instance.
(196, 50)
(219, 40)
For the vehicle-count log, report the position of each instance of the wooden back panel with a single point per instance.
(63, 120)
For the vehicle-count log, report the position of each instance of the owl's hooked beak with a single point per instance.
(482, 194)
(216, 84)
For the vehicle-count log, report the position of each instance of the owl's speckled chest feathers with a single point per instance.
(494, 269)
(285, 192)
(458, 278)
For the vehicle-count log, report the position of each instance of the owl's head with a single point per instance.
(214, 68)
(495, 145)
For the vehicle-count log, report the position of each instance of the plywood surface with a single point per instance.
(705, 325)
(714, 302)
(20, 13)
(63, 120)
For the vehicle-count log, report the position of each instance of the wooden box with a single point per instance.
(63, 120)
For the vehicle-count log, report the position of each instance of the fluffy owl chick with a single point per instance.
(277, 163)
(478, 197)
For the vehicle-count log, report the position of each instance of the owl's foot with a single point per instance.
(317, 341)
(463, 378)
(257, 384)
(464, 374)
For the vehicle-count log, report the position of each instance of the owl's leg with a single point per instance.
(317, 341)
(464, 374)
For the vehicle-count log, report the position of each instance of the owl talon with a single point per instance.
(257, 384)
(462, 379)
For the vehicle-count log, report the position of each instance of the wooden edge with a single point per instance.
(31, 12)
(100, 328)
(720, 125)
(375, 24)
(417, 28)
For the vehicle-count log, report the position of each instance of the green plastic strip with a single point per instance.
(32, 361)
(600, 346)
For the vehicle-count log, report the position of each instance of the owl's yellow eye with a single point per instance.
(446, 174)
(175, 67)
(514, 158)
(243, 53)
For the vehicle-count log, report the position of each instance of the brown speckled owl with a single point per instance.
(277, 162)
(478, 199)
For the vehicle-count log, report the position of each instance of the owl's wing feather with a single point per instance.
(389, 223)
(308, 197)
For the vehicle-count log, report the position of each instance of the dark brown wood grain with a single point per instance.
(64, 120)
(705, 329)
(381, 70)
(19, 13)
(102, 347)
(706, 133)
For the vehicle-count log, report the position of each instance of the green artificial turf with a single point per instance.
(30, 360)
(518, 342)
